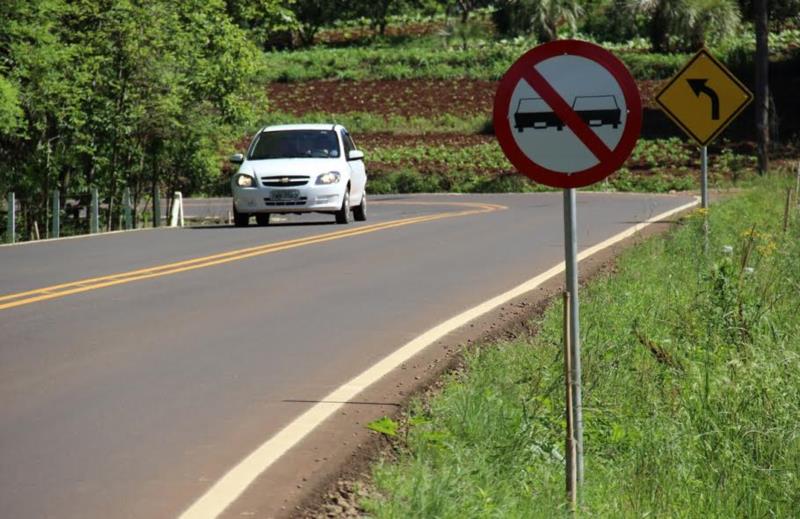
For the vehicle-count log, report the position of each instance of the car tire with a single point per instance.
(240, 219)
(360, 211)
(263, 219)
(344, 215)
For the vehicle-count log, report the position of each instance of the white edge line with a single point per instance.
(227, 489)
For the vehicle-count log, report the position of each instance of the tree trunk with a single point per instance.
(762, 85)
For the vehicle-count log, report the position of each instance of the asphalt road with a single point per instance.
(128, 396)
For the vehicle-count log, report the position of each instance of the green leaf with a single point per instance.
(384, 425)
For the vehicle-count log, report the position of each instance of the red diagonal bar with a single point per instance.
(567, 114)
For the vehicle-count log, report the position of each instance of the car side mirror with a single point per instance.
(355, 155)
(236, 158)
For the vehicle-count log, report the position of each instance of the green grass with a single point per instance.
(433, 57)
(365, 122)
(489, 61)
(691, 390)
(659, 166)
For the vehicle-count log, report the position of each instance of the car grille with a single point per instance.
(296, 201)
(285, 181)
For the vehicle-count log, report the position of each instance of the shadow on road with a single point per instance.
(282, 224)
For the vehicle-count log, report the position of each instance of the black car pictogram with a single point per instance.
(597, 110)
(534, 112)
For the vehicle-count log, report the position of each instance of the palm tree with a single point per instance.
(551, 15)
(543, 17)
(681, 25)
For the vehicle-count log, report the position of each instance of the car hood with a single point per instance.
(262, 168)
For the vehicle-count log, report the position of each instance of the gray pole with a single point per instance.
(11, 219)
(55, 231)
(156, 208)
(94, 221)
(571, 260)
(704, 177)
(126, 208)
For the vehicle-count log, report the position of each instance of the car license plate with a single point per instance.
(285, 195)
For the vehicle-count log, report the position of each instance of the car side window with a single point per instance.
(348, 143)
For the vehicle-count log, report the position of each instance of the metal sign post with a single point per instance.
(703, 98)
(567, 114)
(704, 177)
(571, 262)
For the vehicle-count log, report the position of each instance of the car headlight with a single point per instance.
(245, 181)
(331, 177)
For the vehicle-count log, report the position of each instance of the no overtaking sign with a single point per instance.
(567, 113)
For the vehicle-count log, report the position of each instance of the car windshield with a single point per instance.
(294, 144)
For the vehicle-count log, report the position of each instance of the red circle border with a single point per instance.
(502, 124)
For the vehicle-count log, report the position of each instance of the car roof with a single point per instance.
(289, 127)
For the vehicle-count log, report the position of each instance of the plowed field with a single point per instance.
(408, 98)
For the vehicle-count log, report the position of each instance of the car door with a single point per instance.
(358, 172)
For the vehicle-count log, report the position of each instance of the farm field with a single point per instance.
(427, 135)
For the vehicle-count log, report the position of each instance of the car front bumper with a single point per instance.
(274, 200)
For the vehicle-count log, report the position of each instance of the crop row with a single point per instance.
(655, 165)
(486, 60)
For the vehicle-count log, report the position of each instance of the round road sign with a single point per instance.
(567, 113)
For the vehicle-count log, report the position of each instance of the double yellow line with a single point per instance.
(85, 285)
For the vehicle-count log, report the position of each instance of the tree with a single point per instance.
(686, 25)
(762, 84)
(10, 110)
(262, 18)
(544, 18)
(313, 14)
(780, 13)
(121, 93)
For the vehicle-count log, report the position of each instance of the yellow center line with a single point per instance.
(86, 285)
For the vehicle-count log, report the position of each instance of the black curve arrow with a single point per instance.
(699, 87)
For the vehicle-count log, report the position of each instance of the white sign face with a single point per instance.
(591, 92)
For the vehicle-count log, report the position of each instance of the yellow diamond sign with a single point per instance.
(703, 98)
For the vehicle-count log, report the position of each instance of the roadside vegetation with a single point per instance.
(440, 56)
(456, 165)
(691, 367)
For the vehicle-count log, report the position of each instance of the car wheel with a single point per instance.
(263, 219)
(240, 219)
(344, 215)
(360, 212)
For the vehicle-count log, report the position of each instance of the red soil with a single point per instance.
(407, 97)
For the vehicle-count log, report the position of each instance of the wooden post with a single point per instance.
(786, 209)
(569, 450)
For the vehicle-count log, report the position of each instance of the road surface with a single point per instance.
(137, 368)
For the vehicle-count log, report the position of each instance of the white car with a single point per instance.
(300, 168)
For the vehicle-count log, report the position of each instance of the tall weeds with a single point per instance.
(691, 390)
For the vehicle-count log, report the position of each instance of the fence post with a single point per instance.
(176, 218)
(126, 208)
(11, 219)
(94, 222)
(55, 230)
(156, 208)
